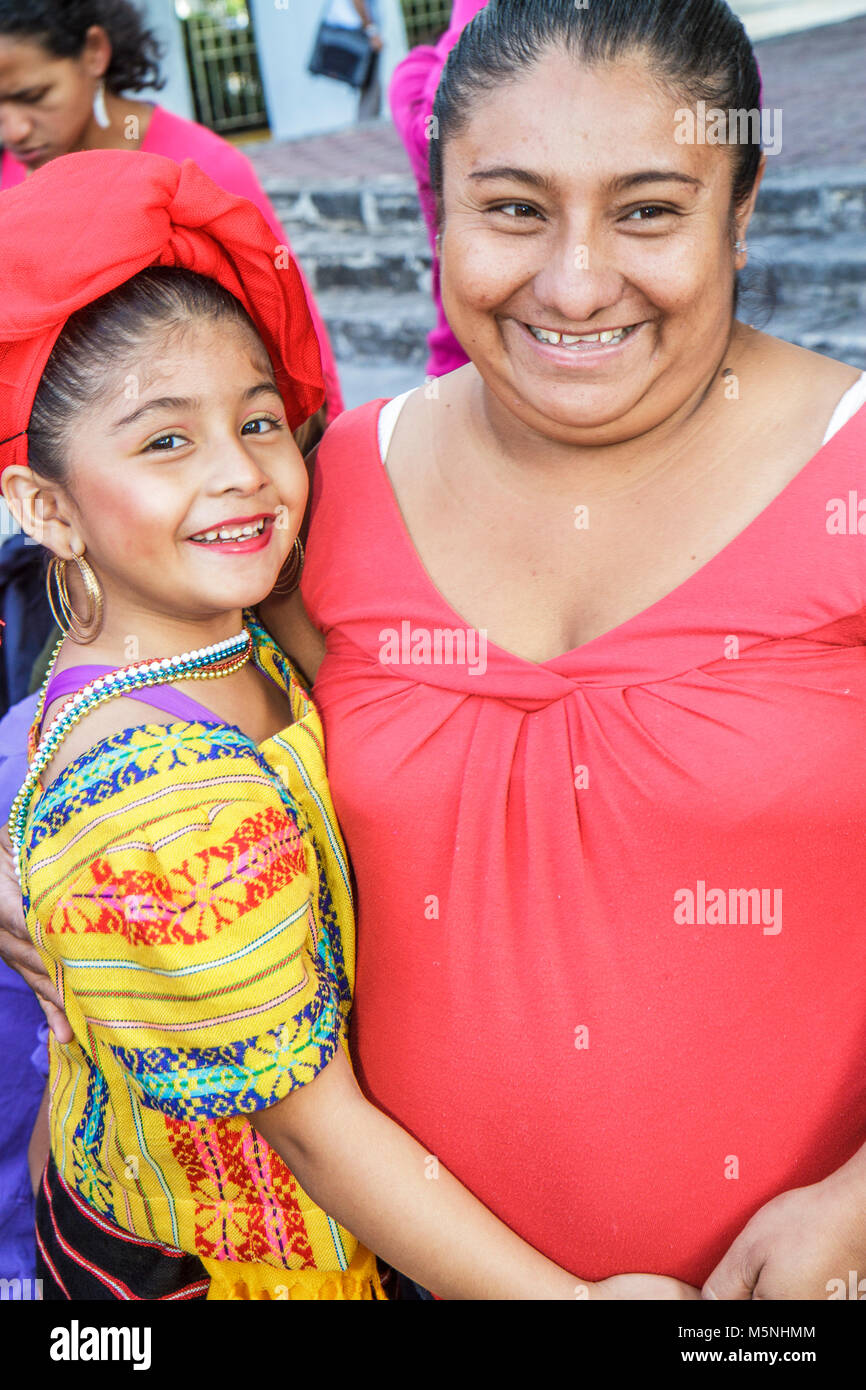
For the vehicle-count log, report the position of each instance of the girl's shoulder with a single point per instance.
(103, 726)
(116, 720)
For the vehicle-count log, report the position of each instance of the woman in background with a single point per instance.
(362, 14)
(412, 93)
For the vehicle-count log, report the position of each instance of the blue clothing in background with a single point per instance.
(23, 1042)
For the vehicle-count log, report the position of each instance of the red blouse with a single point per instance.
(611, 955)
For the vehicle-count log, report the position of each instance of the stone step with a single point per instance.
(367, 328)
(364, 261)
(808, 277)
(344, 206)
(805, 202)
(844, 339)
(810, 203)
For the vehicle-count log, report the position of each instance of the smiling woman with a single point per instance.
(625, 493)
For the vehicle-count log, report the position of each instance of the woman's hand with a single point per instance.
(804, 1244)
(17, 950)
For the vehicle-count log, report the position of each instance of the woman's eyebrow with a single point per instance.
(615, 185)
(26, 93)
(506, 171)
(624, 181)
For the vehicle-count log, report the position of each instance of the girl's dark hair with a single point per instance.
(108, 331)
(60, 27)
(697, 47)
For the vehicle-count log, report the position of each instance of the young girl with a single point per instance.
(182, 870)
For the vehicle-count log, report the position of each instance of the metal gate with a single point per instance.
(223, 65)
(426, 20)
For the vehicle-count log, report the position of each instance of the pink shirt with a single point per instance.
(412, 92)
(611, 956)
(179, 139)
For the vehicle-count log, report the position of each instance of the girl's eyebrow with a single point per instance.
(188, 403)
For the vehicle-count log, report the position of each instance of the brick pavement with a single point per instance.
(816, 77)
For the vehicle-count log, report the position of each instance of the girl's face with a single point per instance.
(46, 103)
(185, 483)
(569, 208)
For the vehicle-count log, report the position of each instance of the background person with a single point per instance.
(363, 14)
(411, 95)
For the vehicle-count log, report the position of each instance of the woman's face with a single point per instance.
(569, 208)
(46, 103)
(193, 441)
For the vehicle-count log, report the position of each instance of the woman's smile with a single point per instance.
(582, 351)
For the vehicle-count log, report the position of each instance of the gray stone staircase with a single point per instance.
(366, 253)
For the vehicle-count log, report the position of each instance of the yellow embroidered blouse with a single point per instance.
(190, 894)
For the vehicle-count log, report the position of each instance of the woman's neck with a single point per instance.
(128, 125)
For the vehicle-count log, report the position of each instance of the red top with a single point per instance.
(546, 996)
(179, 139)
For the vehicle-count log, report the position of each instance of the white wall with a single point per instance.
(765, 19)
(299, 104)
(175, 95)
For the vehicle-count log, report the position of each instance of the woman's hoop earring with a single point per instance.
(740, 246)
(289, 576)
(100, 110)
(81, 630)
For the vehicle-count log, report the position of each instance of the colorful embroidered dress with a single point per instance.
(190, 894)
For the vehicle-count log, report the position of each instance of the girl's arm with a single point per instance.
(378, 1182)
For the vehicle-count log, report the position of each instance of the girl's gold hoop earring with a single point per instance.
(289, 576)
(81, 629)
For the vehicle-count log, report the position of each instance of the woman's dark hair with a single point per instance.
(95, 339)
(697, 47)
(60, 27)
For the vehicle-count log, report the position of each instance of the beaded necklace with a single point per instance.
(221, 659)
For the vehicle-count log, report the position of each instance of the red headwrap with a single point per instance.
(85, 223)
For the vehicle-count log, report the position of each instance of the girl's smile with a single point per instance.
(238, 535)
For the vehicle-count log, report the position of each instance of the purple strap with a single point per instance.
(163, 696)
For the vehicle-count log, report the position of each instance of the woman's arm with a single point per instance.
(17, 950)
(379, 1183)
